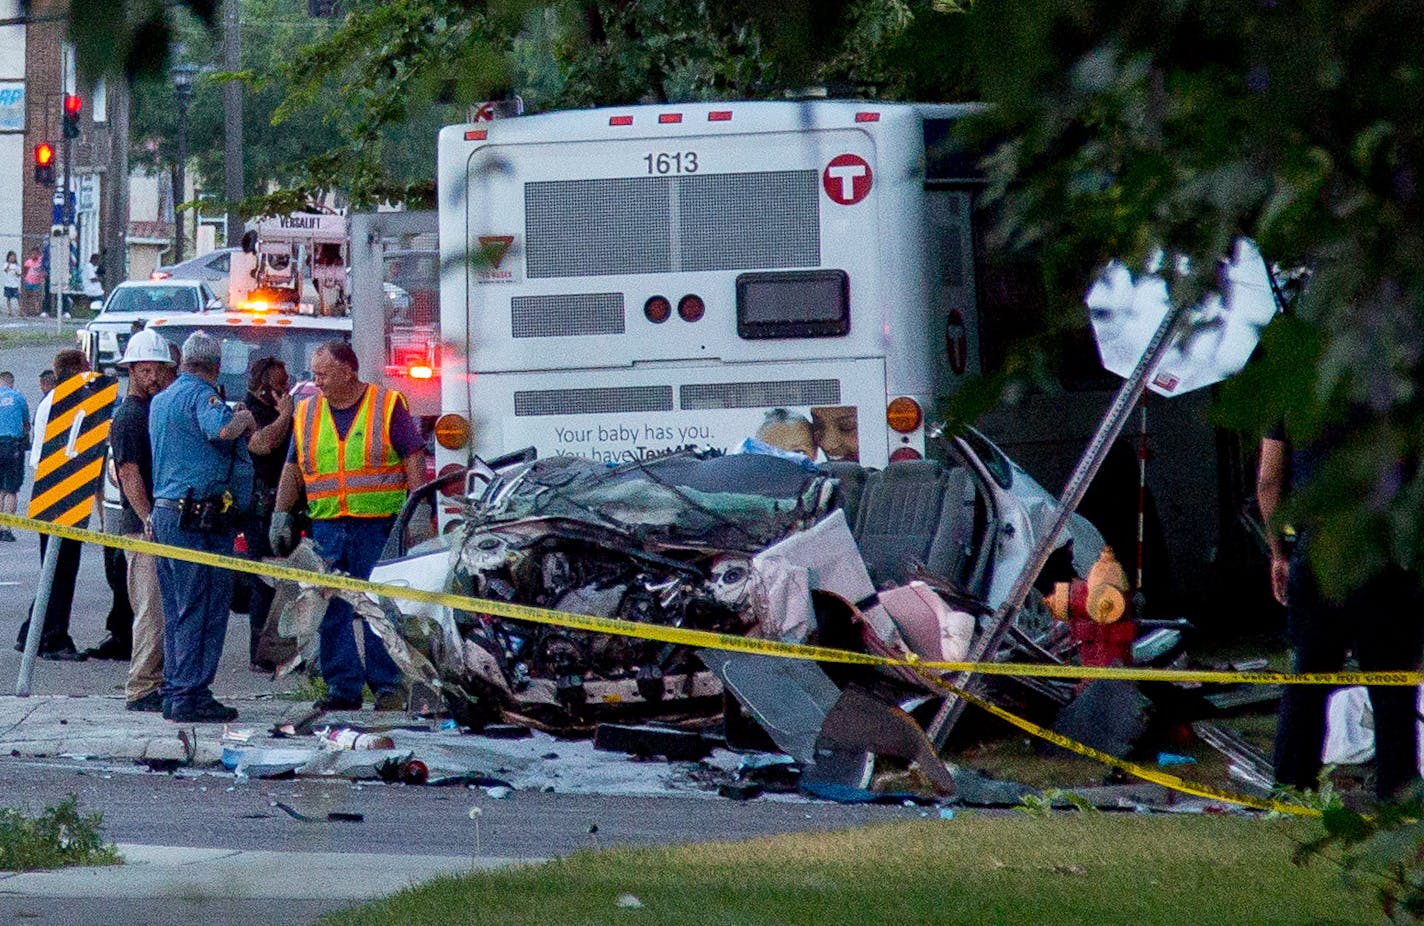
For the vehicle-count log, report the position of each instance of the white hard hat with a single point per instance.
(147, 345)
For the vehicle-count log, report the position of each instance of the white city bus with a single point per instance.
(621, 283)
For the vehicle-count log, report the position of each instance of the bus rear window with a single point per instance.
(803, 304)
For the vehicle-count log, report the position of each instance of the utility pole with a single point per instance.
(114, 246)
(233, 179)
(66, 211)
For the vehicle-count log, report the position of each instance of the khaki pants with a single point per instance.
(146, 665)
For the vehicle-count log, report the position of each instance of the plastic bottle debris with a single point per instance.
(1165, 759)
(499, 792)
(346, 738)
(628, 901)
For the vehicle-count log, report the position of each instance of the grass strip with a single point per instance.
(59, 837)
(1093, 869)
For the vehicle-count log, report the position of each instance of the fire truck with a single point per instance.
(293, 263)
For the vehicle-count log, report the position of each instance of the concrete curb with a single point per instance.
(227, 874)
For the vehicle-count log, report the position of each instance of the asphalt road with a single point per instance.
(212, 810)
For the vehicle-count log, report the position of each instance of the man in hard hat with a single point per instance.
(202, 480)
(357, 450)
(152, 367)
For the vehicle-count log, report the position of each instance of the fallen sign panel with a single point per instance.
(1214, 343)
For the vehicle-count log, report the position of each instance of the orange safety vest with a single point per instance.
(358, 476)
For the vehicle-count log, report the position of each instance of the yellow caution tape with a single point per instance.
(697, 638)
(1152, 775)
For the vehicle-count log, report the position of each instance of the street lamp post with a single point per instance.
(183, 90)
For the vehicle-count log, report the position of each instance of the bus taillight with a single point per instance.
(901, 454)
(450, 487)
(904, 415)
(657, 309)
(690, 308)
(452, 431)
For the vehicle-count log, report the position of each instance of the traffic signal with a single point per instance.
(72, 105)
(44, 164)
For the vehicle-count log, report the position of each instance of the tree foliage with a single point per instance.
(272, 154)
(1182, 125)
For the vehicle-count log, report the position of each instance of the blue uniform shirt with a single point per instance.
(183, 425)
(14, 413)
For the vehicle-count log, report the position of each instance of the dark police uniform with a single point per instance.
(190, 462)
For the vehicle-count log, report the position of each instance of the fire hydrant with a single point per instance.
(1096, 610)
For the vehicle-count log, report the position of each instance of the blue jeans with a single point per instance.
(352, 545)
(195, 606)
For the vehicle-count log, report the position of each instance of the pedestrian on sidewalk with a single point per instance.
(202, 478)
(152, 362)
(93, 279)
(357, 451)
(1380, 621)
(269, 399)
(56, 643)
(14, 430)
(33, 280)
(12, 284)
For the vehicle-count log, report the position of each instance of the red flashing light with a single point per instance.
(720, 115)
(159, 275)
(476, 135)
(669, 118)
(44, 154)
(421, 372)
(905, 453)
(620, 120)
(72, 105)
(867, 117)
(657, 309)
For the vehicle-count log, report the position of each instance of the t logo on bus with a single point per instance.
(847, 179)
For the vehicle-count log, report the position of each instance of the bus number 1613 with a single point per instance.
(676, 162)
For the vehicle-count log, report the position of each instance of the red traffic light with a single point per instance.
(72, 105)
(44, 154)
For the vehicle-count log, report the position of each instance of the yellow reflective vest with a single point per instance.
(359, 476)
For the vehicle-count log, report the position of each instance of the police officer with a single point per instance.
(202, 479)
(356, 450)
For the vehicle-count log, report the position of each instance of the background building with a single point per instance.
(37, 71)
(14, 159)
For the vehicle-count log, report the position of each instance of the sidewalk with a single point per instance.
(99, 726)
(179, 885)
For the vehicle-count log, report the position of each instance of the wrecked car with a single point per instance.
(906, 559)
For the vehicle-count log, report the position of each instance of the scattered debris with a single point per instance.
(348, 738)
(648, 741)
(292, 812)
(342, 816)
